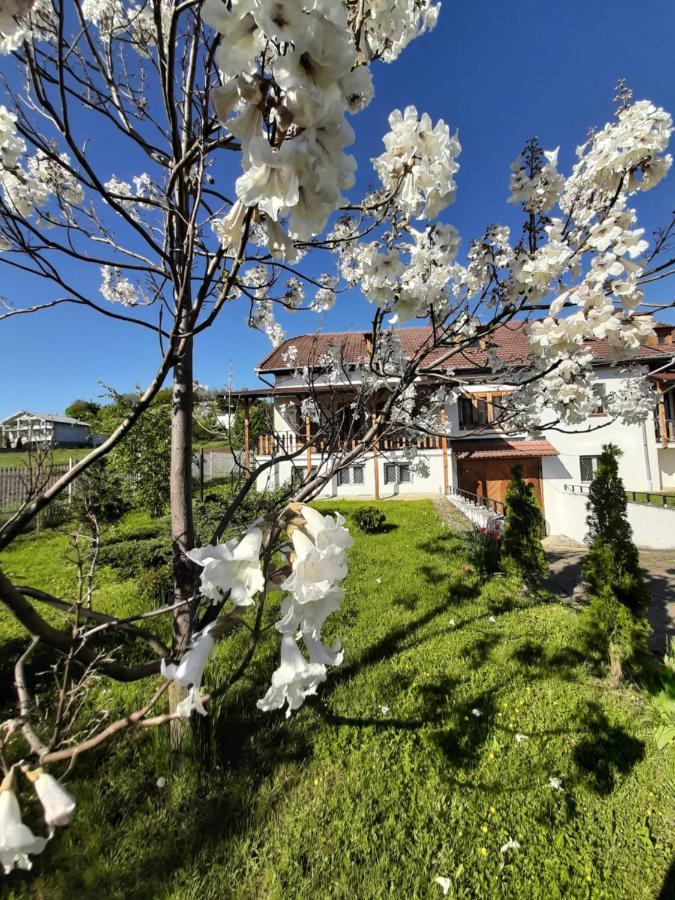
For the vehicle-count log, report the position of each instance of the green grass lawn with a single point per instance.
(386, 779)
(59, 456)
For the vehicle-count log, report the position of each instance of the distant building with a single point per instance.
(30, 429)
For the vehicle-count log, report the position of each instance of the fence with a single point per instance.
(17, 485)
(216, 464)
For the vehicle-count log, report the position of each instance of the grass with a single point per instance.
(664, 498)
(386, 779)
(16, 459)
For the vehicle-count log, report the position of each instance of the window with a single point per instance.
(351, 475)
(588, 466)
(397, 473)
(599, 391)
(479, 410)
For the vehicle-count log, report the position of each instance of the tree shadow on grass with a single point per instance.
(461, 742)
(606, 751)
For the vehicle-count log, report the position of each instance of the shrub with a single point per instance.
(135, 557)
(612, 560)
(209, 513)
(484, 549)
(614, 625)
(369, 519)
(523, 527)
(98, 492)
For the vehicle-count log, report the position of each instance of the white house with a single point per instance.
(473, 463)
(30, 429)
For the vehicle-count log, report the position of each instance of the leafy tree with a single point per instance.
(260, 422)
(521, 546)
(142, 460)
(614, 624)
(85, 410)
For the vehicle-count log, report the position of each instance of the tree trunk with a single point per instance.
(615, 674)
(182, 532)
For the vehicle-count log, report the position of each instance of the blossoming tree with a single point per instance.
(182, 90)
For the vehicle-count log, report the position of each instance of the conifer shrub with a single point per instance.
(369, 519)
(522, 550)
(614, 622)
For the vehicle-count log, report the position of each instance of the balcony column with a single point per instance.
(444, 448)
(308, 441)
(376, 457)
(663, 425)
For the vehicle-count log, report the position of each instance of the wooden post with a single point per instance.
(308, 441)
(444, 447)
(376, 458)
(663, 427)
(247, 443)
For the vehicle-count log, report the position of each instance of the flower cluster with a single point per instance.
(17, 841)
(291, 74)
(319, 563)
(388, 28)
(418, 165)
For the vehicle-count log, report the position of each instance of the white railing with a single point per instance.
(480, 511)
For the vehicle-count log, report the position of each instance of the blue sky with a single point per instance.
(499, 73)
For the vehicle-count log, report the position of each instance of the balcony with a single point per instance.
(282, 442)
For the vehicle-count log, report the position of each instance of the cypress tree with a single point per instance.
(613, 561)
(523, 528)
(614, 621)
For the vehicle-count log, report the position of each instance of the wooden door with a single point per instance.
(490, 477)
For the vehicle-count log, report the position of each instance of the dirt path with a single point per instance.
(566, 559)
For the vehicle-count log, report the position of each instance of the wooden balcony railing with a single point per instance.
(281, 442)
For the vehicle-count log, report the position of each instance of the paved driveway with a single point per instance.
(566, 557)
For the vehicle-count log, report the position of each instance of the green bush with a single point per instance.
(369, 519)
(484, 550)
(209, 513)
(522, 550)
(98, 492)
(614, 623)
(135, 557)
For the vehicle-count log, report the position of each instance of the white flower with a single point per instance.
(192, 701)
(443, 883)
(57, 802)
(271, 182)
(509, 845)
(452, 623)
(384, 710)
(17, 841)
(233, 566)
(521, 737)
(161, 782)
(326, 531)
(294, 680)
(555, 783)
(378, 581)
(477, 713)
(315, 571)
(492, 619)
(189, 672)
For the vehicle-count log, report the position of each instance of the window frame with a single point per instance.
(594, 467)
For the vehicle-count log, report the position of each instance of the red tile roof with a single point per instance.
(509, 341)
(500, 448)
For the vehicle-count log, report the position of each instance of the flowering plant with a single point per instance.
(484, 548)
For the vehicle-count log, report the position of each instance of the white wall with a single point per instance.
(653, 526)
(667, 466)
(432, 484)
